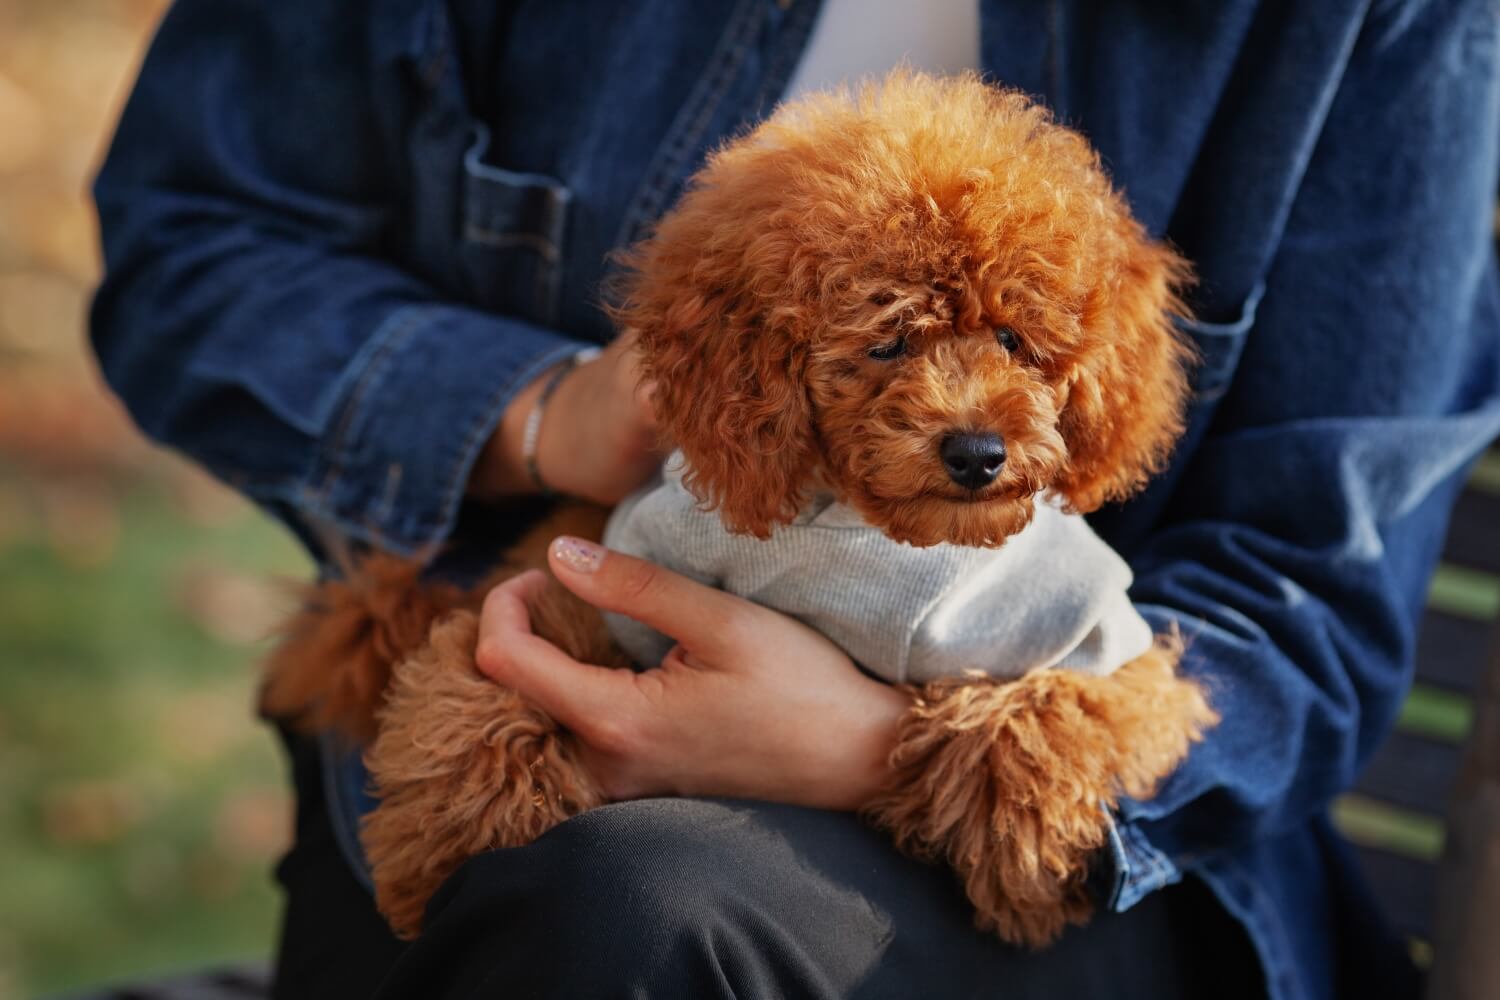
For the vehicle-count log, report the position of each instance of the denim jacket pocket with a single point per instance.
(512, 231)
(1218, 346)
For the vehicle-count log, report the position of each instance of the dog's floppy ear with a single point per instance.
(731, 395)
(1126, 395)
(712, 296)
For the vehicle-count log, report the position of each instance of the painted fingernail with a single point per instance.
(578, 555)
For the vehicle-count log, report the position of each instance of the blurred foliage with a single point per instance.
(141, 804)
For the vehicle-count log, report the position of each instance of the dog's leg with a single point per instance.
(385, 659)
(330, 671)
(463, 765)
(1010, 782)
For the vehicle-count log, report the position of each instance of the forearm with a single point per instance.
(1305, 640)
(1297, 547)
(363, 418)
(252, 312)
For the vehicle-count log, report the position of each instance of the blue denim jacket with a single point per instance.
(340, 236)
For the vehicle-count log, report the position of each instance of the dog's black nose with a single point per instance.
(973, 460)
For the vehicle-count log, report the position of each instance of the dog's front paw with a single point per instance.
(1011, 783)
(461, 765)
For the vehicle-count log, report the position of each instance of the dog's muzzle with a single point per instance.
(973, 459)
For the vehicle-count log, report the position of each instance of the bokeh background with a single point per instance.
(141, 804)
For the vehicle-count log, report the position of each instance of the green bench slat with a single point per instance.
(1436, 714)
(1396, 813)
(1486, 475)
(1464, 592)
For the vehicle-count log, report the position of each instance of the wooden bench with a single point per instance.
(1394, 815)
(1396, 812)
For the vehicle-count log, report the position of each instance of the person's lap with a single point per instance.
(702, 898)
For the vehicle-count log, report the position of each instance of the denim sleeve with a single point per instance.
(252, 314)
(1296, 550)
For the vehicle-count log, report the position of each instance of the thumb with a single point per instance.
(576, 694)
(698, 616)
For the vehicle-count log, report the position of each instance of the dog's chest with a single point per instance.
(1053, 595)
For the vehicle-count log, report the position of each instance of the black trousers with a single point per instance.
(705, 898)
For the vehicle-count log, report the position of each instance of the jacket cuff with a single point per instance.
(1129, 868)
(424, 396)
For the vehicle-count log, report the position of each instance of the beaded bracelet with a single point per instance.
(532, 432)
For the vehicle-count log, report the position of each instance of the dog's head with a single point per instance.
(926, 298)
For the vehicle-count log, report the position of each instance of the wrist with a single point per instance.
(864, 770)
(501, 469)
(513, 468)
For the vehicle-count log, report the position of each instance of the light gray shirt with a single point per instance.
(856, 40)
(1052, 596)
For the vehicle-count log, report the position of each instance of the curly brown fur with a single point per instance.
(330, 671)
(463, 765)
(332, 667)
(922, 213)
(919, 218)
(933, 211)
(387, 656)
(1011, 783)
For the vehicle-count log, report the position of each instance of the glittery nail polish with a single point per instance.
(578, 555)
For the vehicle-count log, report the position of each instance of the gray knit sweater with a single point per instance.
(1052, 596)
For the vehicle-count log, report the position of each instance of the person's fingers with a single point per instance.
(505, 605)
(700, 617)
(586, 698)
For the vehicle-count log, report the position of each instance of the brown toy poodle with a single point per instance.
(837, 291)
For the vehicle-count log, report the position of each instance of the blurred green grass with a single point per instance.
(141, 805)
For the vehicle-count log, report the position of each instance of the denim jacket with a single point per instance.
(340, 236)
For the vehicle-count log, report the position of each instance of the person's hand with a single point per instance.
(750, 704)
(598, 436)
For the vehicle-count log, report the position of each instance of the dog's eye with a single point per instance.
(889, 352)
(1007, 338)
